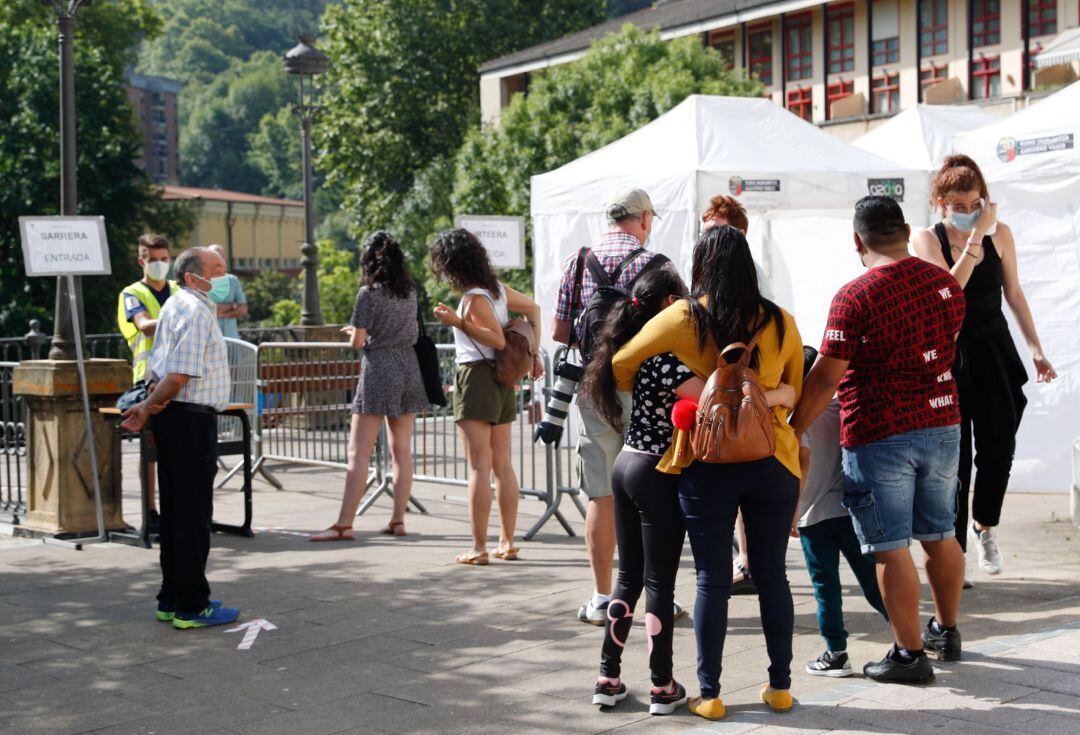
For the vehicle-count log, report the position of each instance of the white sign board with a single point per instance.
(65, 246)
(504, 237)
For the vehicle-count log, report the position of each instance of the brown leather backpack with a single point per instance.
(734, 422)
(514, 361)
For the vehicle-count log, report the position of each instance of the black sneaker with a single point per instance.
(943, 643)
(607, 694)
(664, 703)
(898, 669)
(830, 664)
(153, 523)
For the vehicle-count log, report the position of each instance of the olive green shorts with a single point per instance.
(478, 397)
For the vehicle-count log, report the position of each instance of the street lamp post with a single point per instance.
(304, 61)
(63, 342)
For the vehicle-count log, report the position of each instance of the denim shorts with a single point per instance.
(903, 487)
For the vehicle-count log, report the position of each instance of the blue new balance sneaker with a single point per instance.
(166, 612)
(208, 617)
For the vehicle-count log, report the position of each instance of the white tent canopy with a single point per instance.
(1032, 164)
(921, 136)
(798, 183)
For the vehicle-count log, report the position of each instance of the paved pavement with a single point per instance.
(389, 636)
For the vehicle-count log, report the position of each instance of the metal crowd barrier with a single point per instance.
(304, 401)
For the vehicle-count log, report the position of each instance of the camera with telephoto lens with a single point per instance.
(568, 377)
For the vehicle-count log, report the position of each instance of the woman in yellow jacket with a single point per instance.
(726, 307)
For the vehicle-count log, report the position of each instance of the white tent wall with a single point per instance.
(1031, 161)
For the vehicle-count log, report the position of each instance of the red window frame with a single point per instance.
(838, 90)
(985, 23)
(841, 30)
(1042, 17)
(886, 51)
(934, 27)
(724, 43)
(799, 65)
(760, 59)
(984, 71)
(932, 74)
(885, 88)
(800, 101)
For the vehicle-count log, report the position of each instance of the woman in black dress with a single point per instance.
(981, 253)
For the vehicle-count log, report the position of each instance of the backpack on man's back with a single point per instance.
(607, 294)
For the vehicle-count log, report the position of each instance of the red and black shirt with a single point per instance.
(896, 325)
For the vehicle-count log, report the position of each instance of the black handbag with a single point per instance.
(428, 357)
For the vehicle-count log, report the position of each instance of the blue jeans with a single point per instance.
(710, 496)
(903, 487)
(822, 544)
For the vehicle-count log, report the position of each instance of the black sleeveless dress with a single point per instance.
(988, 369)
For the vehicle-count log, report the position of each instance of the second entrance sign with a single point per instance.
(504, 237)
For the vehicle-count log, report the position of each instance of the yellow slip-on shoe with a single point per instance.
(710, 709)
(779, 700)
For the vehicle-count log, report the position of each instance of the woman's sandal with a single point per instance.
(510, 554)
(473, 558)
(338, 534)
(394, 528)
(744, 586)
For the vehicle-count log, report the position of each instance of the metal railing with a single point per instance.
(305, 401)
(12, 449)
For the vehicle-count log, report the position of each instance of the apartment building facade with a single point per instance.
(154, 101)
(852, 60)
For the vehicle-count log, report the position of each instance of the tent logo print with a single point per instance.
(737, 185)
(893, 188)
(1006, 149)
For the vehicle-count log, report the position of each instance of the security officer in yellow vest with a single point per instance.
(137, 316)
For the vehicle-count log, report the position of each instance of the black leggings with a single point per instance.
(994, 450)
(649, 531)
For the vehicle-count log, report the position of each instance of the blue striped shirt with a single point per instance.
(189, 342)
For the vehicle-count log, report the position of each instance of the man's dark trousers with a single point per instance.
(187, 454)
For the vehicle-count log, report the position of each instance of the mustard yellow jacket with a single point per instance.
(672, 330)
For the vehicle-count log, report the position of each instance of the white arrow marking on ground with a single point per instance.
(251, 632)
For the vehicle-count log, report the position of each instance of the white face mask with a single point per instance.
(157, 270)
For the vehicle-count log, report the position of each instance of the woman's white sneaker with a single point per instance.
(989, 552)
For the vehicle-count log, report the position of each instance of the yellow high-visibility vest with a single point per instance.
(139, 343)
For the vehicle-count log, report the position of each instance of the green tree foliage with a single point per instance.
(624, 81)
(277, 154)
(403, 89)
(109, 182)
(223, 115)
(200, 38)
(227, 53)
(266, 289)
(338, 282)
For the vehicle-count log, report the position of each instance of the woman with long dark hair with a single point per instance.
(390, 388)
(989, 373)
(484, 409)
(726, 306)
(648, 528)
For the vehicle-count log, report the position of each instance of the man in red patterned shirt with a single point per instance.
(889, 347)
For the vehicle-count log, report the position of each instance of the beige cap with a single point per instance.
(629, 202)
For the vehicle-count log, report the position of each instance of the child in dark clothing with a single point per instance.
(826, 531)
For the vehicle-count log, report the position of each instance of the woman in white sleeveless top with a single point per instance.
(483, 409)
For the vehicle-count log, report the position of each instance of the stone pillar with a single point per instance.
(61, 489)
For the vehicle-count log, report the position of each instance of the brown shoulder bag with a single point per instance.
(734, 422)
(514, 361)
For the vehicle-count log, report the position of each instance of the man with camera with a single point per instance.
(621, 255)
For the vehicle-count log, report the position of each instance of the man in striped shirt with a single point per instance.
(189, 375)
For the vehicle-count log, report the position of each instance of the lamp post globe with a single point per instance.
(303, 62)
